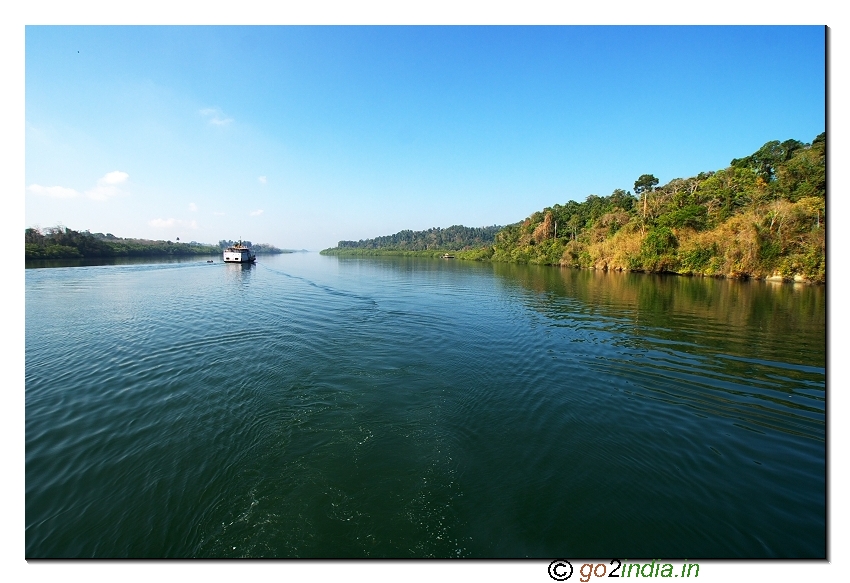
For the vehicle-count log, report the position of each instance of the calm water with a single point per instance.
(314, 406)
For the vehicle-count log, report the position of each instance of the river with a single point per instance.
(312, 406)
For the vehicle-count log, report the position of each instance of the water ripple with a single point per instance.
(322, 407)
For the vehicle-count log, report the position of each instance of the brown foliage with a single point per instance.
(545, 230)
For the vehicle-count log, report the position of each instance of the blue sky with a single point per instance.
(303, 136)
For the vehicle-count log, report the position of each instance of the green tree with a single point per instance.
(643, 186)
(622, 199)
(769, 157)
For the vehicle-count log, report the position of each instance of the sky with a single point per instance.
(302, 136)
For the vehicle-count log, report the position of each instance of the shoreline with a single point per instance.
(471, 253)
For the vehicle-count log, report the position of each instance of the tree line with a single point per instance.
(454, 238)
(63, 243)
(762, 216)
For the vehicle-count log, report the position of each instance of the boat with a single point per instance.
(239, 253)
(446, 256)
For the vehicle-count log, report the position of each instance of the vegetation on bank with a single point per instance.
(454, 238)
(63, 243)
(763, 216)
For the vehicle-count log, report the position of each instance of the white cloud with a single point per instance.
(171, 223)
(256, 213)
(115, 177)
(216, 116)
(193, 207)
(262, 179)
(218, 213)
(106, 188)
(53, 191)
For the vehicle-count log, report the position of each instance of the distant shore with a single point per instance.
(63, 243)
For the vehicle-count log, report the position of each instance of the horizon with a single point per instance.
(46, 230)
(303, 136)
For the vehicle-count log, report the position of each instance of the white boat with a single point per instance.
(239, 254)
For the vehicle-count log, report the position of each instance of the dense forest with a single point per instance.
(63, 243)
(764, 216)
(435, 239)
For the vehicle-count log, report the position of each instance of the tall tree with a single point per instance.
(643, 186)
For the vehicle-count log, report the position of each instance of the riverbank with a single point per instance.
(487, 254)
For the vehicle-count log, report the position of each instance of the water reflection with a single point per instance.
(748, 351)
(750, 317)
(239, 273)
